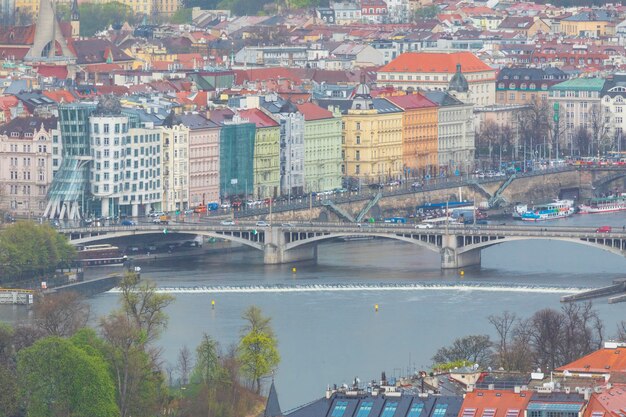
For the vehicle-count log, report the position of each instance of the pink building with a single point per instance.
(204, 159)
(29, 148)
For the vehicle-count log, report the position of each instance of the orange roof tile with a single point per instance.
(314, 112)
(411, 101)
(494, 403)
(601, 361)
(257, 117)
(60, 96)
(436, 62)
(609, 402)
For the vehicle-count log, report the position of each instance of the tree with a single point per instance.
(95, 17)
(504, 325)
(61, 314)
(27, 250)
(184, 364)
(598, 126)
(534, 125)
(143, 305)
(426, 12)
(59, 378)
(207, 367)
(257, 349)
(473, 349)
(582, 141)
(10, 398)
(181, 16)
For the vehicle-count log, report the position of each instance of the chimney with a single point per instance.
(517, 389)
(492, 387)
(587, 395)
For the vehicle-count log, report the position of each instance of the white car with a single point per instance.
(262, 223)
(227, 223)
(287, 225)
(424, 226)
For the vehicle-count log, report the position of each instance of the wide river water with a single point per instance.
(324, 317)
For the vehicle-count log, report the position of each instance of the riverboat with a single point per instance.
(519, 210)
(555, 210)
(96, 255)
(603, 205)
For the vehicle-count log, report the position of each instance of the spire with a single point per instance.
(75, 12)
(272, 408)
(47, 35)
(458, 82)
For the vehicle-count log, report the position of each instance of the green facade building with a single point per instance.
(236, 159)
(322, 148)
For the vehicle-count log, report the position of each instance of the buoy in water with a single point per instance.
(293, 269)
(213, 304)
(376, 307)
(462, 272)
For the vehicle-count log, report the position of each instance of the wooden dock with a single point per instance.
(16, 296)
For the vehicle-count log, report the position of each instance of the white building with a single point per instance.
(175, 165)
(125, 174)
(346, 12)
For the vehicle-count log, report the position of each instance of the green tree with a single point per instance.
(181, 16)
(28, 249)
(143, 305)
(208, 366)
(257, 351)
(95, 17)
(426, 12)
(10, 398)
(474, 349)
(59, 378)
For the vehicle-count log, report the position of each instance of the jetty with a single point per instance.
(16, 296)
(617, 290)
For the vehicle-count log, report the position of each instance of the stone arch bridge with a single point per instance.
(458, 246)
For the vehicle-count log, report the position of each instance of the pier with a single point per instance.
(618, 286)
(16, 296)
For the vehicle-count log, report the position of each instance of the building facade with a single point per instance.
(266, 182)
(419, 134)
(204, 159)
(430, 71)
(372, 136)
(522, 85)
(237, 137)
(322, 148)
(26, 150)
(175, 165)
(456, 144)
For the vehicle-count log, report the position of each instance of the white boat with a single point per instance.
(556, 210)
(603, 205)
(519, 210)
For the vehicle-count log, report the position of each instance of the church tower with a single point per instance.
(49, 38)
(459, 87)
(75, 20)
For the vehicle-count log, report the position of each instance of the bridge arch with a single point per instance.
(601, 182)
(415, 241)
(121, 234)
(486, 244)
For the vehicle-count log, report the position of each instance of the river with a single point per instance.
(324, 316)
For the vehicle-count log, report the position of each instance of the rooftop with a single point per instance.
(436, 62)
(580, 84)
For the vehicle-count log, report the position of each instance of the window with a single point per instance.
(340, 408)
(390, 409)
(357, 155)
(106, 128)
(365, 409)
(440, 410)
(357, 169)
(358, 140)
(416, 410)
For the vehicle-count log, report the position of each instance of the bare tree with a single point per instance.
(185, 364)
(545, 337)
(474, 349)
(504, 325)
(61, 314)
(582, 141)
(534, 123)
(598, 125)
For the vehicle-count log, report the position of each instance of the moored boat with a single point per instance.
(603, 205)
(95, 255)
(549, 211)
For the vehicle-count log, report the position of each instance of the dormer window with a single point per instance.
(523, 86)
(512, 86)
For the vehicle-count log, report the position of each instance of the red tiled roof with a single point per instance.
(314, 112)
(436, 62)
(60, 96)
(56, 71)
(16, 52)
(260, 74)
(95, 68)
(601, 361)
(610, 402)
(257, 117)
(17, 35)
(494, 403)
(411, 101)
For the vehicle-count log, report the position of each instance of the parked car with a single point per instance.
(157, 214)
(225, 205)
(424, 226)
(127, 222)
(262, 223)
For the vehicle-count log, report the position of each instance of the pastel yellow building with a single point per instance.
(372, 139)
(593, 24)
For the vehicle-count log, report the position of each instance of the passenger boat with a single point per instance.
(549, 211)
(519, 210)
(95, 255)
(603, 205)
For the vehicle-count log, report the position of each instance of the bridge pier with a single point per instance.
(453, 259)
(274, 251)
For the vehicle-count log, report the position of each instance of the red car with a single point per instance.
(604, 229)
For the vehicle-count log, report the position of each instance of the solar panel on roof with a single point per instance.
(440, 410)
(340, 408)
(390, 409)
(597, 414)
(536, 406)
(512, 413)
(416, 410)
(365, 409)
